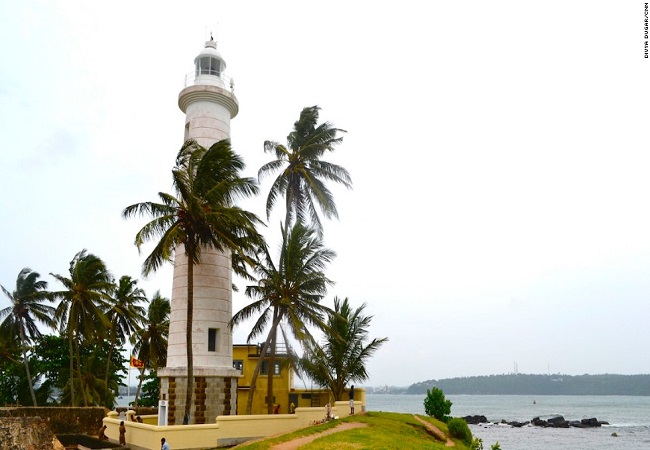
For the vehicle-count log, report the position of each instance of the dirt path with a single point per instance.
(293, 445)
(436, 431)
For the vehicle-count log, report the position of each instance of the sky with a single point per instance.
(499, 152)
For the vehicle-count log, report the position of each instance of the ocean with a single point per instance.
(629, 418)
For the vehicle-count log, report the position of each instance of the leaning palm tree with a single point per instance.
(302, 171)
(342, 358)
(201, 215)
(80, 314)
(150, 341)
(124, 313)
(27, 308)
(288, 292)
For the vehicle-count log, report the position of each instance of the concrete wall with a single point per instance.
(27, 433)
(62, 420)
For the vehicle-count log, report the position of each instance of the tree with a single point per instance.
(435, 404)
(290, 291)
(201, 215)
(125, 314)
(80, 314)
(302, 171)
(150, 341)
(9, 367)
(27, 308)
(341, 359)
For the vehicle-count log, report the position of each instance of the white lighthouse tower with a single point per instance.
(209, 103)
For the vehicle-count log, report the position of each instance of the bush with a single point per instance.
(435, 404)
(458, 429)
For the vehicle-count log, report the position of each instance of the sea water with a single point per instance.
(629, 418)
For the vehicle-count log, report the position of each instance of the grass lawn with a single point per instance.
(384, 430)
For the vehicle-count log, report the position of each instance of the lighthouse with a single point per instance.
(209, 103)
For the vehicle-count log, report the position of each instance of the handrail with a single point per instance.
(221, 80)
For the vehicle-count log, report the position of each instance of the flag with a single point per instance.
(135, 362)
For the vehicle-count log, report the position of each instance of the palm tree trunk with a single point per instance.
(110, 351)
(23, 343)
(82, 388)
(72, 402)
(190, 356)
(269, 385)
(265, 348)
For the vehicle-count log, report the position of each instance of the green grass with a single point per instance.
(384, 430)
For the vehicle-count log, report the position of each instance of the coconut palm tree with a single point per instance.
(288, 292)
(342, 358)
(303, 173)
(27, 308)
(201, 215)
(124, 313)
(80, 315)
(150, 341)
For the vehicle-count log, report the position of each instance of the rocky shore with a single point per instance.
(553, 422)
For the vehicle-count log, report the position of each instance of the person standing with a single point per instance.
(352, 399)
(164, 445)
(122, 433)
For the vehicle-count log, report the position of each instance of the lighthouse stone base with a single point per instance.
(215, 393)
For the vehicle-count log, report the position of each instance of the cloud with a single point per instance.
(57, 147)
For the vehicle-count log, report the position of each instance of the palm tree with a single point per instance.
(303, 173)
(124, 313)
(80, 314)
(27, 308)
(201, 215)
(289, 291)
(342, 358)
(150, 341)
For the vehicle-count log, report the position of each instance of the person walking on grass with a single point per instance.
(352, 399)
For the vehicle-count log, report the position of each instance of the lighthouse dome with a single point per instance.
(209, 61)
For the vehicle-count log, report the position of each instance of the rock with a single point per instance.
(475, 420)
(614, 434)
(593, 422)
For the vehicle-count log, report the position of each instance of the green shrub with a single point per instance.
(435, 404)
(495, 446)
(477, 444)
(458, 429)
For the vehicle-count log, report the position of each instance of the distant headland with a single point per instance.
(528, 384)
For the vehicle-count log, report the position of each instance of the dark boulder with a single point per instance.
(475, 420)
(593, 422)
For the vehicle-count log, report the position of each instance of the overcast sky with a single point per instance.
(499, 152)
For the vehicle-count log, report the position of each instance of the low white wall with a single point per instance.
(227, 430)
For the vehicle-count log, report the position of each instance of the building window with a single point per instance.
(265, 368)
(238, 364)
(213, 338)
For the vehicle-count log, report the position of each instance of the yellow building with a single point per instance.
(245, 358)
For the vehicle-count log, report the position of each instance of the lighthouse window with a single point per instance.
(209, 66)
(213, 335)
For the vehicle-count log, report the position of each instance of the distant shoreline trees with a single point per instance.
(528, 384)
